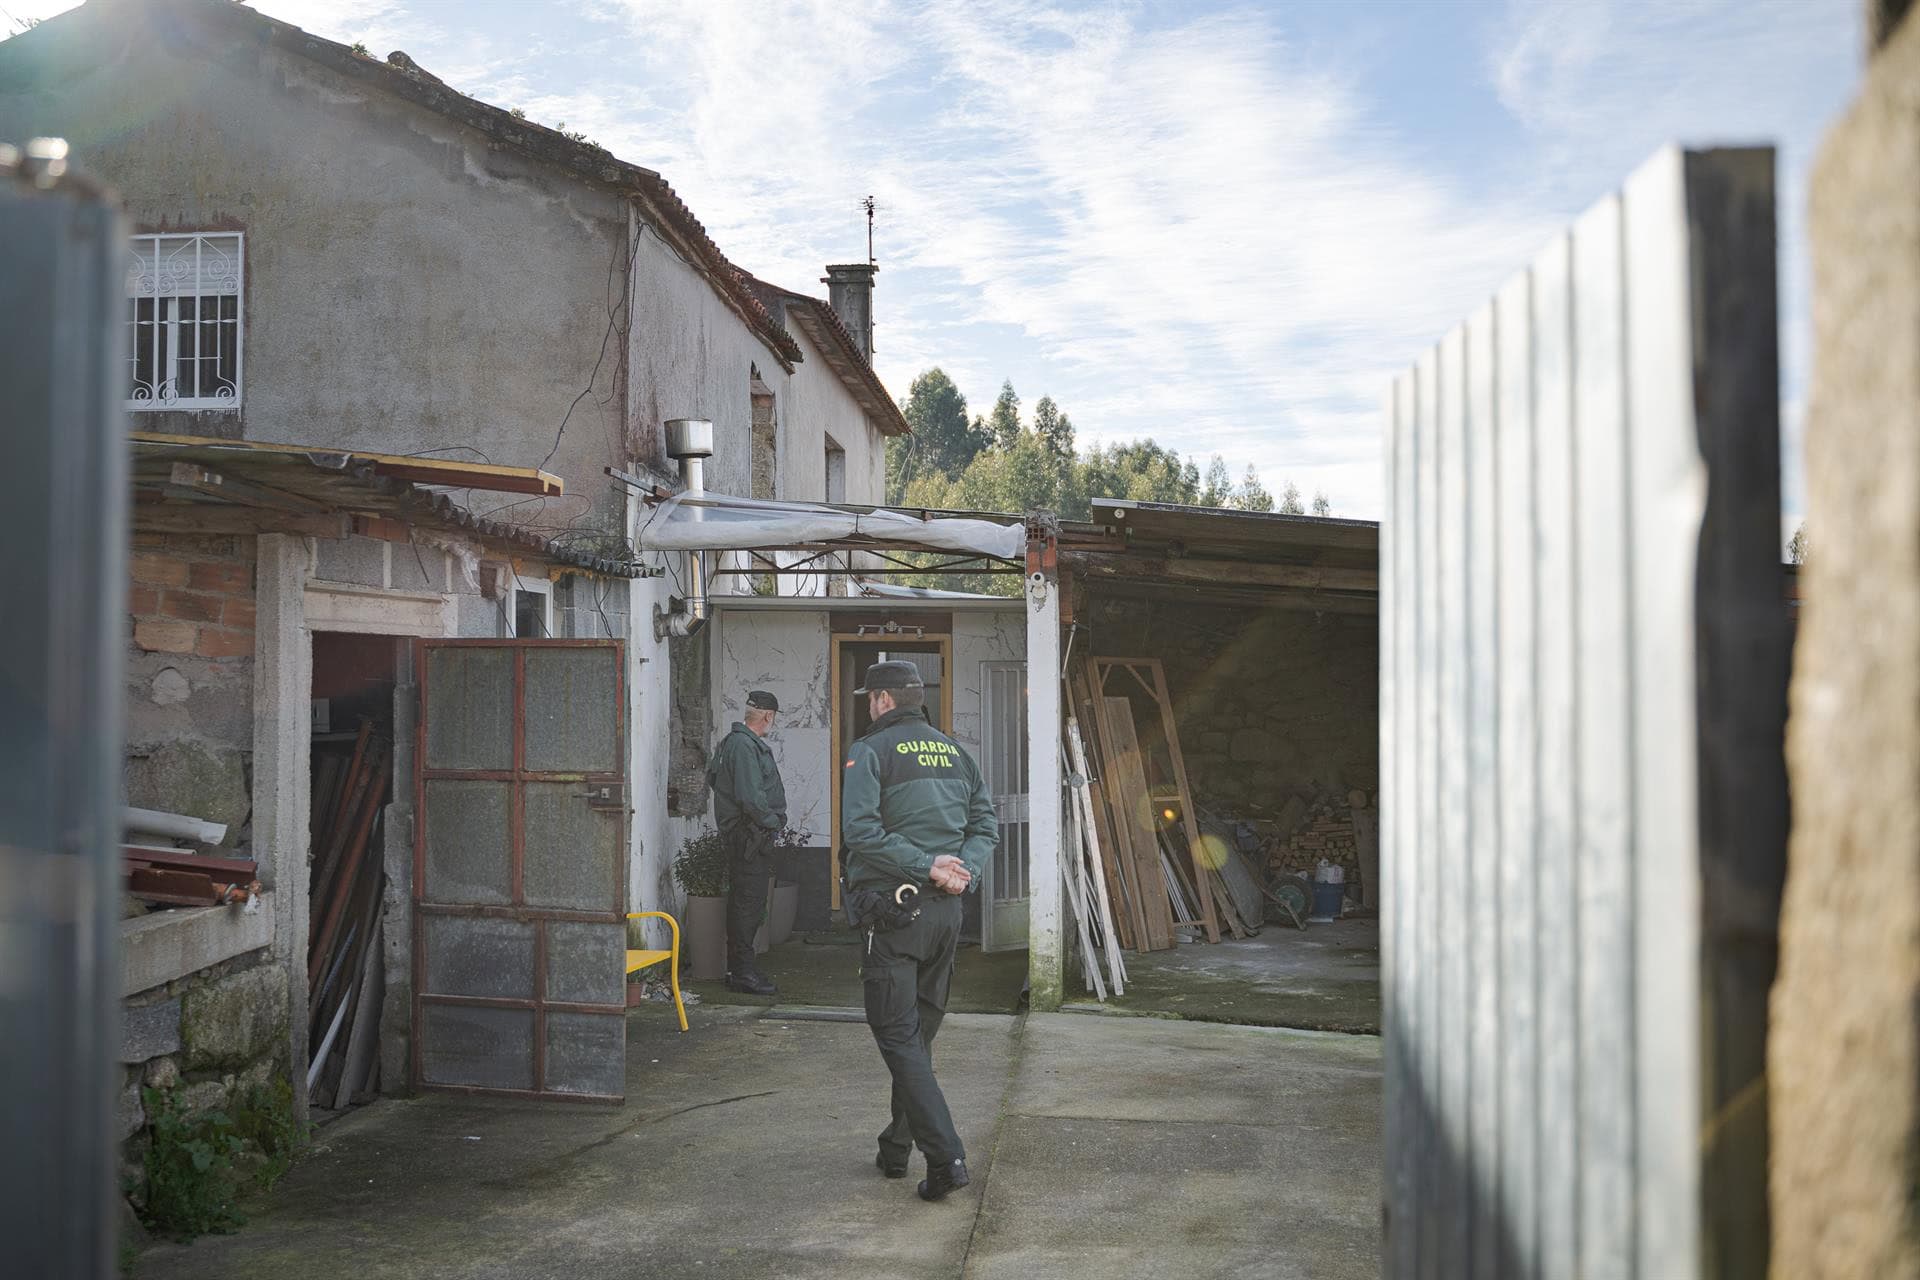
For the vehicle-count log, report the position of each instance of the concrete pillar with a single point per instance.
(396, 926)
(1844, 1045)
(282, 765)
(1046, 936)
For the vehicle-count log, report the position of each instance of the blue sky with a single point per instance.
(1222, 225)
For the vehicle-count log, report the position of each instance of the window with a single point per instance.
(532, 609)
(183, 321)
(836, 471)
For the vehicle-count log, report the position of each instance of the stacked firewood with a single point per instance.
(1318, 827)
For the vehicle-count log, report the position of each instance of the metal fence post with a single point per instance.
(63, 512)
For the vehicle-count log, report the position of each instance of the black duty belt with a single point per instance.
(880, 910)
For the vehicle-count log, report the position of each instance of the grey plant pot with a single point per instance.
(706, 940)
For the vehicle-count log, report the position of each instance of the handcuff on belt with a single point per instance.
(899, 920)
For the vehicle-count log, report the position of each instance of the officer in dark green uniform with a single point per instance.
(913, 812)
(750, 807)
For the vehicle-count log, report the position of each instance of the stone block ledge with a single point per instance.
(158, 948)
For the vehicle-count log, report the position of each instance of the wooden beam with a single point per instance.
(450, 472)
(1254, 597)
(214, 518)
(1231, 573)
(193, 478)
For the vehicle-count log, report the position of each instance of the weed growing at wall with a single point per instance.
(191, 1175)
(264, 1121)
(198, 1165)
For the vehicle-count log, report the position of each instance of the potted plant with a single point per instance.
(700, 869)
(786, 890)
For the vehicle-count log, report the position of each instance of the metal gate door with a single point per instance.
(1003, 761)
(519, 869)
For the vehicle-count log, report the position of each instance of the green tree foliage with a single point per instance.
(1054, 428)
(1218, 490)
(1140, 470)
(996, 463)
(1290, 504)
(943, 440)
(1003, 426)
(1251, 495)
(1797, 547)
(1321, 505)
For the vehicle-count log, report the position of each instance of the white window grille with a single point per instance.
(184, 315)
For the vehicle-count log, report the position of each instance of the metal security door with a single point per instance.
(519, 869)
(1003, 760)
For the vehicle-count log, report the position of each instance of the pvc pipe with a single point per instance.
(177, 825)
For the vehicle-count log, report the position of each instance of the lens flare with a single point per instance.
(1211, 853)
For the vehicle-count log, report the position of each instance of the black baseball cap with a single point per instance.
(761, 700)
(887, 676)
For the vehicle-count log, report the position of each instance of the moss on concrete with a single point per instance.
(1323, 978)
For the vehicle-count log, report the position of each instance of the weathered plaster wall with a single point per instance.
(816, 405)
(407, 286)
(1269, 703)
(979, 638)
(790, 655)
(787, 654)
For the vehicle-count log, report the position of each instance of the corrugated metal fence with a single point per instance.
(1583, 690)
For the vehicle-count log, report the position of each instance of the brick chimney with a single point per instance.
(850, 292)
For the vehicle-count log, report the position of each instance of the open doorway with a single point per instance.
(852, 656)
(355, 678)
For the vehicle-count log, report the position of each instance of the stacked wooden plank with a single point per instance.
(1137, 830)
(344, 975)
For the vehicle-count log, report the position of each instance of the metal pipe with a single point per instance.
(690, 442)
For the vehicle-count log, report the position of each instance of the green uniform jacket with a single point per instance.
(908, 795)
(747, 790)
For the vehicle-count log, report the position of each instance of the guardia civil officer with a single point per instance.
(750, 807)
(917, 827)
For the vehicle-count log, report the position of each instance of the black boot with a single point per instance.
(943, 1179)
(891, 1170)
(750, 981)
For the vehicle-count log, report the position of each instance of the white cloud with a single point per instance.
(1176, 223)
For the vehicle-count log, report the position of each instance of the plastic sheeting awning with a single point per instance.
(715, 522)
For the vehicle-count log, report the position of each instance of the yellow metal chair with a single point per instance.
(638, 960)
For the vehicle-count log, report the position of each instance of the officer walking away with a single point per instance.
(917, 827)
(750, 806)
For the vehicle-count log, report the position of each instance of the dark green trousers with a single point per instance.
(907, 975)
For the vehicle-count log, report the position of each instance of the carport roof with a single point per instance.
(1252, 556)
(190, 484)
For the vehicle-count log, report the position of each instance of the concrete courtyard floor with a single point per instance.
(1099, 1146)
(1323, 978)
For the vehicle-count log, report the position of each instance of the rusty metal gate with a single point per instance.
(519, 881)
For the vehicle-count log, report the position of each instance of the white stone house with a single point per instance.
(344, 255)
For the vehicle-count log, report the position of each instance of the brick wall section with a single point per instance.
(192, 595)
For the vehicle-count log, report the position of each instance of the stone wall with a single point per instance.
(190, 677)
(212, 1037)
(1844, 1034)
(1270, 703)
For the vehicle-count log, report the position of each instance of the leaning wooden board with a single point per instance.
(1153, 678)
(1128, 794)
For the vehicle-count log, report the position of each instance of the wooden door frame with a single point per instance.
(839, 642)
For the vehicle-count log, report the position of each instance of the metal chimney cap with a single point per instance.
(689, 438)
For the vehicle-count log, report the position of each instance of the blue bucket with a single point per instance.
(1326, 901)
